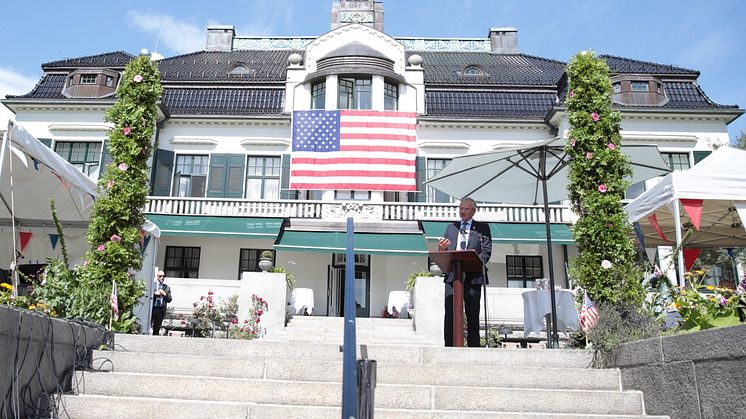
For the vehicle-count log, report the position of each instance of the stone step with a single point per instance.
(476, 375)
(360, 324)
(363, 337)
(111, 407)
(399, 354)
(387, 396)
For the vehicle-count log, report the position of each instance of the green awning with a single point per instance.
(365, 243)
(202, 226)
(505, 233)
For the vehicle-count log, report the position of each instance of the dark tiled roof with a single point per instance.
(688, 95)
(210, 66)
(481, 104)
(216, 101)
(116, 59)
(445, 68)
(621, 65)
(49, 87)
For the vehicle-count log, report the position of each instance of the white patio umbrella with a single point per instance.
(531, 173)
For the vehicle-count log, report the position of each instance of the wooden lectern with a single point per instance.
(459, 262)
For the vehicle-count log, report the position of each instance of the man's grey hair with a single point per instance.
(471, 201)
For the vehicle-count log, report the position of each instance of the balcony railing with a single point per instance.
(361, 211)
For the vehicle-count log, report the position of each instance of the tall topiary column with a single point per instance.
(605, 265)
(116, 220)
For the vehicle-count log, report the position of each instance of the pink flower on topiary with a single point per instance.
(127, 131)
(116, 238)
(606, 264)
(602, 188)
(110, 183)
(137, 78)
(123, 166)
(572, 94)
(572, 142)
(101, 248)
(85, 262)
(589, 155)
(595, 117)
(611, 146)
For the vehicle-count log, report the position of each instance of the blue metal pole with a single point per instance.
(349, 369)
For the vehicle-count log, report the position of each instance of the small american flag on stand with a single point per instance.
(114, 301)
(354, 150)
(588, 313)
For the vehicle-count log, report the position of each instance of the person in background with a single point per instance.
(463, 235)
(161, 298)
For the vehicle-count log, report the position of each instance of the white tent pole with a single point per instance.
(6, 145)
(677, 226)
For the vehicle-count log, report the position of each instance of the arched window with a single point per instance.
(241, 69)
(473, 72)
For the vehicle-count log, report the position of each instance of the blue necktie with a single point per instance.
(464, 227)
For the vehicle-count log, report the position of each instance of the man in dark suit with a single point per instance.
(462, 235)
(161, 298)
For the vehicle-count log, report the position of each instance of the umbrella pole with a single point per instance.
(552, 336)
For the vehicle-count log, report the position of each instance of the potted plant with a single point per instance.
(265, 260)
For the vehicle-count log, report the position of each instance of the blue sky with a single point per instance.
(707, 36)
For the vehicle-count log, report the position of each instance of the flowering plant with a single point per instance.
(250, 328)
(206, 315)
(24, 301)
(707, 306)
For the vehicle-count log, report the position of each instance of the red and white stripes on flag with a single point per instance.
(354, 150)
(588, 313)
(114, 301)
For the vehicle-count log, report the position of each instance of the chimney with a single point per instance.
(220, 37)
(504, 40)
(364, 12)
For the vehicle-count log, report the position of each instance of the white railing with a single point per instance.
(340, 210)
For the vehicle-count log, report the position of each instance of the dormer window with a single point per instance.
(242, 70)
(87, 79)
(638, 90)
(91, 83)
(473, 72)
(640, 86)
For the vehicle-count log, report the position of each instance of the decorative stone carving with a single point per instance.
(356, 210)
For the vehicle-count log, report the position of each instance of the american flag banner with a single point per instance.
(354, 150)
(588, 313)
(114, 301)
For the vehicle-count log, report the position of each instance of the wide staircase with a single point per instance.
(297, 373)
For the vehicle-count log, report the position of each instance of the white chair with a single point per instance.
(301, 301)
(400, 300)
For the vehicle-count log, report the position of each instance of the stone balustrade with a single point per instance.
(340, 210)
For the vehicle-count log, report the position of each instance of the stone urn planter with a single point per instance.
(265, 261)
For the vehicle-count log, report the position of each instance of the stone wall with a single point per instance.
(688, 376)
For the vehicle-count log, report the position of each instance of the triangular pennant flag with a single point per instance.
(20, 154)
(654, 222)
(145, 244)
(53, 240)
(640, 236)
(690, 255)
(693, 208)
(37, 164)
(25, 237)
(651, 252)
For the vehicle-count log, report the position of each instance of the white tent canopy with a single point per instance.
(719, 181)
(38, 174)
